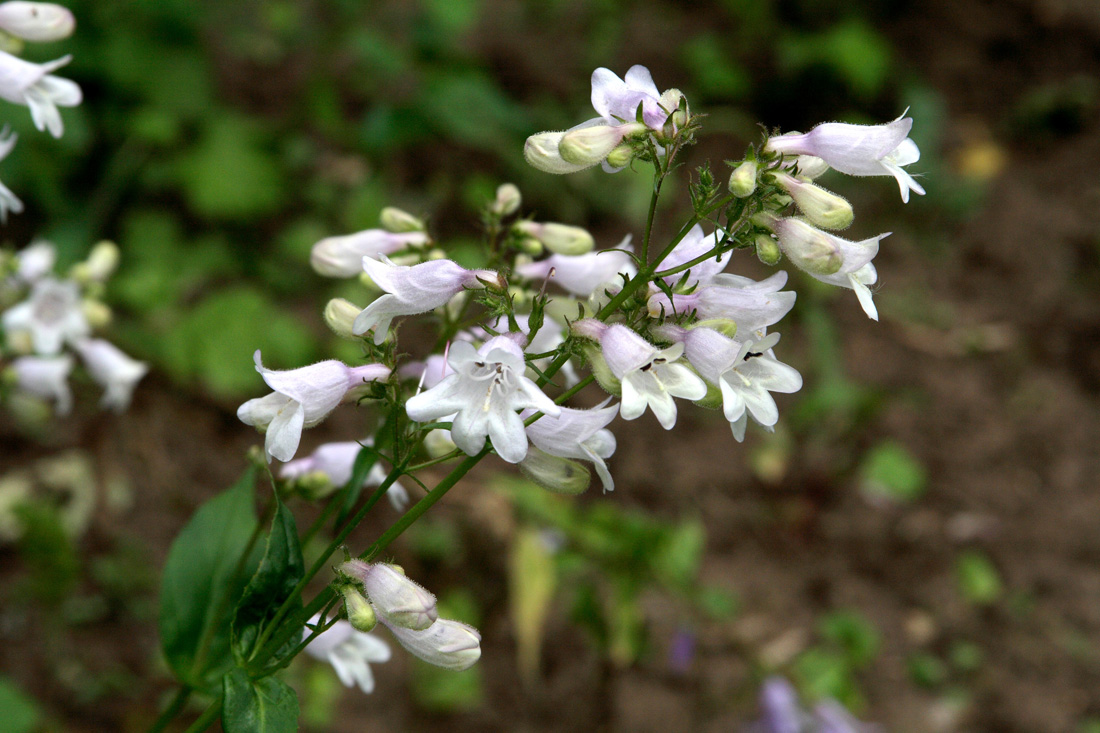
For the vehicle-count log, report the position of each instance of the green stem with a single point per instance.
(173, 709)
(658, 179)
(208, 717)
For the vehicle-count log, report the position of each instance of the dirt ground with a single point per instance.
(999, 402)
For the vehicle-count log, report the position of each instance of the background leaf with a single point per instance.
(266, 705)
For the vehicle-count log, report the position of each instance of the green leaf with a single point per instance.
(532, 580)
(364, 462)
(979, 581)
(203, 578)
(280, 570)
(19, 713)
(853, 633)
(266, 705)
(891, 471)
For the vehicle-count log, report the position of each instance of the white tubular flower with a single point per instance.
(398, 601)
(447, 644)
(23, 82)
(616, 100)
(859, 150)
(50, 317)
(695, 244)
(752, 305)
(8, 200)
(113, 370)
(36, 21)
(350, 653)
(413, 289)
(584, 275)
(859, 281)
(45, 377)
(578, 434)
(820, 253)
(483, 394)
(649, 376)
(336, 461)
(343, 256)
(35, 261)
(746, 372)
(302, 398)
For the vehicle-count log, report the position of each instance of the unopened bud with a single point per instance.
(96, 312)
(339, 315)
(360, 613)
(448, 644)
(590, 145)
(530, 246)
(541, 151)
(743, 179)
(559, 475)
(621, 156)
(36, 21)
(823, 208)
(767, 249)
(400, 221)
(810, 249)
(673, 100)
(713, 399)
(811, 166)
(398, 600)
(560, 239)
(601, 371)
(507, 201)
(438, 443)
(725, 326)
(100, 265)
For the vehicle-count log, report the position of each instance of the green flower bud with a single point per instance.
(559, 475)
(97, 313)
(101, 263)
(560, 239)
(601, 371)
(743, 179)
(360, 613)
(399, 221)
(712, 400)
(621, 156)
(340, 314)
(823, 208)
(724, 326)
(590, 145)
(767, 249)
(507, 201)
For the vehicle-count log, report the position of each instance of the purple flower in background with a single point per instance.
(783, 714)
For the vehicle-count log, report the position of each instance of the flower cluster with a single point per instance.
(48, 322)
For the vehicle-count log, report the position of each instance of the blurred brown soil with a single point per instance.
(1001, 407)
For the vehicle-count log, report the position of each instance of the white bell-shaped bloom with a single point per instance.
(46, 377)
(51, 316)
(858, 280)
(446, 643)
(36, 21)
(413, 289)
(696, 244)
(483, 394)
(113, 370)
(336, 461)
(302, 398)
(8, 200)
(23, 82)
(859, 150)
(350, 653)
(343, 256)
(650, 377)
(584, 275)
(580, 434)
(822, 253)
(745, 371)
(752, 305)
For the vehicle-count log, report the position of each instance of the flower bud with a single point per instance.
(448, 644)
(507, 201)
(601, 371)
(358, 609)
(621, 156)
(811, 166)
(399, 221)
(823, 208)
(590, 145)
(340, 314)
(743, 179)
(724, 326)
(541, 151)
(767, 249)
(96, 313)
(398, 600)
(438, 443)
(673, 100)
(36, 21)
(99, 266)
(559, 475)
(560, 239)
(810, 249)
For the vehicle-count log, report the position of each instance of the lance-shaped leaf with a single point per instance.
(266, 705)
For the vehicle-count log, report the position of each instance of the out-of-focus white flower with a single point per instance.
(45, 377)
(35, 261)
(335, 462)
(302, 398)
(36, 21)
(8, 200)
(650, 377)
(343, 256)
(51, 316)
(411, 290)
(23, 82)
(578, 434)
(752, 305)
(584, 275)
(859, 150)
(486, 389)
(113, 370)
(350, 653)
